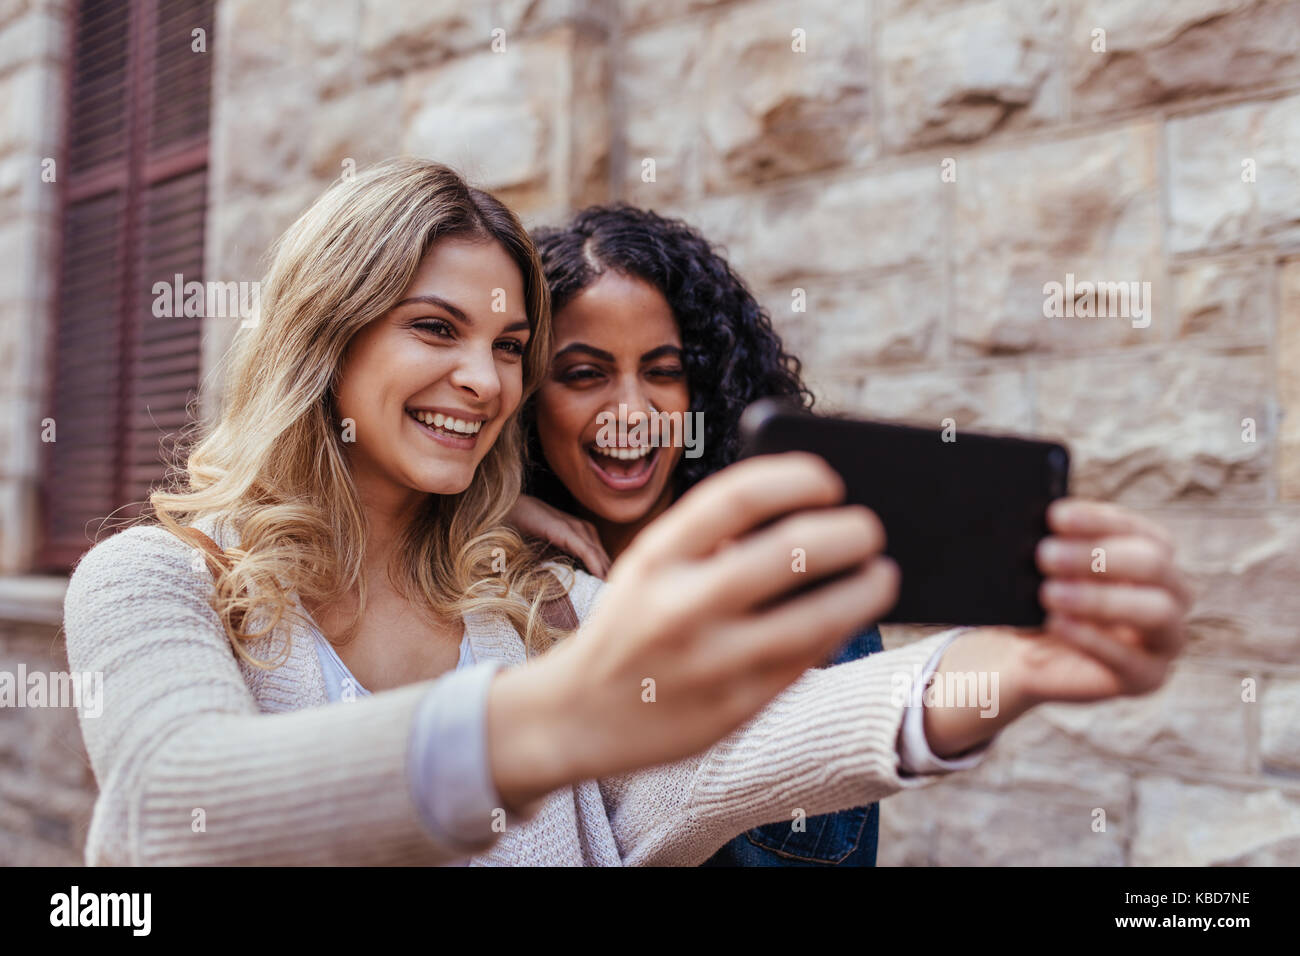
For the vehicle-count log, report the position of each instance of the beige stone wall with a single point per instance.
(31, 89)
(46, 785)
(1171, 158)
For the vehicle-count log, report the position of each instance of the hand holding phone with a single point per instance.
(963, 512)
(977, 526)
(693, 605)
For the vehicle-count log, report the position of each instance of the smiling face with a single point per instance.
(616, 343)
(443, 356)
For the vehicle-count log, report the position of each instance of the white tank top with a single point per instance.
(339, 682)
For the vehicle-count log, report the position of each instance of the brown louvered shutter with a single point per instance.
(135, 187)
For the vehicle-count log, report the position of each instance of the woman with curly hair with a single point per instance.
(649, 315)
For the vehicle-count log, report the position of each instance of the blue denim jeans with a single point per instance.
(847, 838)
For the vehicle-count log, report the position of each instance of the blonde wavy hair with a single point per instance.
(273, 464)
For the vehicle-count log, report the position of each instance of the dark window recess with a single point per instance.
(134, 188)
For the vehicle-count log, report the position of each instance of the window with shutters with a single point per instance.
(134, 180)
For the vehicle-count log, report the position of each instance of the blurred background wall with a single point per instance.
(911, 173)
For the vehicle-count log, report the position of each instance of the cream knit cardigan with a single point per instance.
(283, 777)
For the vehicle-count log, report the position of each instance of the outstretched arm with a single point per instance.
(829, 742)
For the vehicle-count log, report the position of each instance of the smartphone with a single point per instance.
(963, 511)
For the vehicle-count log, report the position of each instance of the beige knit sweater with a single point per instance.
(202, 759)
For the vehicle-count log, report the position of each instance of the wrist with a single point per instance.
(1009, 651)
(979, 687)
(528, 750)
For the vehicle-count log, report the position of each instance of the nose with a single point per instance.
(476, 374)
(629, 400)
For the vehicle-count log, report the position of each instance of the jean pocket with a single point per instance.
(830, 838)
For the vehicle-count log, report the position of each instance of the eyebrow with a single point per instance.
(458, 314)
(602, 355)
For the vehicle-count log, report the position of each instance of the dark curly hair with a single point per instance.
(731, 354)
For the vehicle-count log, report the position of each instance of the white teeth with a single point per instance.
(625, 454)
(447, 423)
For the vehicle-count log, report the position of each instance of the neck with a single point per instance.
(386, 511)
(384, 520)
(384, 529)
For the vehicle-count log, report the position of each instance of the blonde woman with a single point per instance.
(330, 649)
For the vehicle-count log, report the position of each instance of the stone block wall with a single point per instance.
(32, 57)
(46, 786)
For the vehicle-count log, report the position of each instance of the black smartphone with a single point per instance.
(963, 511)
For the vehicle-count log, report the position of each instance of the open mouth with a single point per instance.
(453, 432)
(623, 469)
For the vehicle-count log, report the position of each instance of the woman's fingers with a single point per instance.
(1135, 668)
(590, 553)
(842, 606)
(791, 553)
(1116, 570)
(1081, 518)
(1132, 558)
(737, 499)
(582, 540)
(800, 632)
(1114, 603)
(1153, 611)
(535, 518)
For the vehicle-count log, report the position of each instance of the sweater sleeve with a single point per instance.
(915, 755)
(829, 742)
(190, 771)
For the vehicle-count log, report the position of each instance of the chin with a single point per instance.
(445, 482)
(625, 511)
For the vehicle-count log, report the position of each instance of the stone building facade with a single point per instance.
(914, 172)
